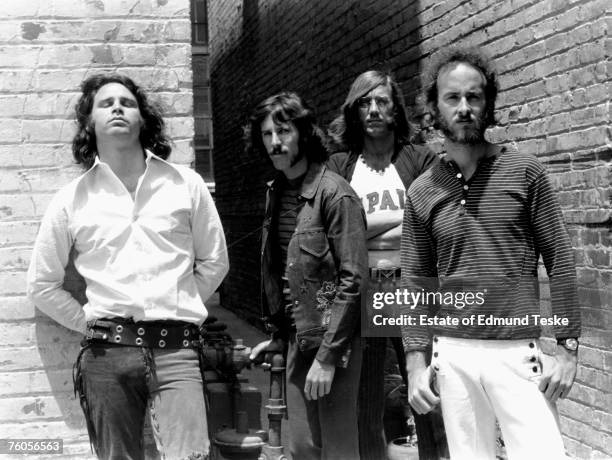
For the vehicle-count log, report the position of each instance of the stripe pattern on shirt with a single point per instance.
(287, 219)
(485, 235)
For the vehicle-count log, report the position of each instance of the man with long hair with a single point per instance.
(312, 267)
(475, 226)
(148, 241)
(376, 157)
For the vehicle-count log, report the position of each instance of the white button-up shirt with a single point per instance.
(155, 257)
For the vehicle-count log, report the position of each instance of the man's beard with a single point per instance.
(298, 157)
(466, 134)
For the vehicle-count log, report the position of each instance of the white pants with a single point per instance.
(481, 380)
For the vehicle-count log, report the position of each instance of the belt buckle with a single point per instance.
(97, 332)
(388, 273)
(92, 334)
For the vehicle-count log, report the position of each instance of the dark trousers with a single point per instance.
(118, 383)
(372, 442)
(325, 429)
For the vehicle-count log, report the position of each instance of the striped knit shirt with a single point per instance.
(471, 249)
(287, 216)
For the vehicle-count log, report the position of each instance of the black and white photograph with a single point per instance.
(305, 230)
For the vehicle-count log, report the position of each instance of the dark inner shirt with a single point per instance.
(287, 216)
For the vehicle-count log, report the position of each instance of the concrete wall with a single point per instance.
(555, 103)
(47, 47)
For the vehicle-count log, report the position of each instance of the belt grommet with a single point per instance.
(162, 343)
(117, 338)
(140, 331)
(119, 328)
(163, 332)
(185, 343)
(186, 332)
(138, 341)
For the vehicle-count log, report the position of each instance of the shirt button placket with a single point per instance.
(462, 203)
(463, 200)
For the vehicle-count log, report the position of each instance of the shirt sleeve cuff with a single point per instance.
(416, 344)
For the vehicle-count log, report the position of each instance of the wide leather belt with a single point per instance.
(381, 274)
(143, 334)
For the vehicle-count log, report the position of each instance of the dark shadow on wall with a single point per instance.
(235, 169)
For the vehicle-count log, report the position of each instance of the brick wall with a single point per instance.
(555, 78)
(46, 49)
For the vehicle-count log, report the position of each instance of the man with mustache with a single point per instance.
(148, 241)
(377, 158)
(313, 263)
(475, 226)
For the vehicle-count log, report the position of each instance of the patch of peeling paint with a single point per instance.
(151, 32)
(36, 407)
(111, 34)
(133, 7)
(31, 30)
(99, 4)
(102, 55)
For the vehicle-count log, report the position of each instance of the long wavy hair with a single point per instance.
(152, 135)
(450, 57)
(287, 107)
(346, 130)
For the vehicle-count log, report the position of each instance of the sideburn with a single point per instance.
(301, 154)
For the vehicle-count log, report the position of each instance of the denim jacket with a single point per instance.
(326, 263)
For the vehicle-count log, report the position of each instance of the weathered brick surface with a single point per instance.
(554, 102)
(46, 50)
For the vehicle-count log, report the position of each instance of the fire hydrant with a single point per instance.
(241, 443)
(277, 408)
(234, 440)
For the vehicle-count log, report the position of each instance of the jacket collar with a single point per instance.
(311, 181)
(310, 184)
